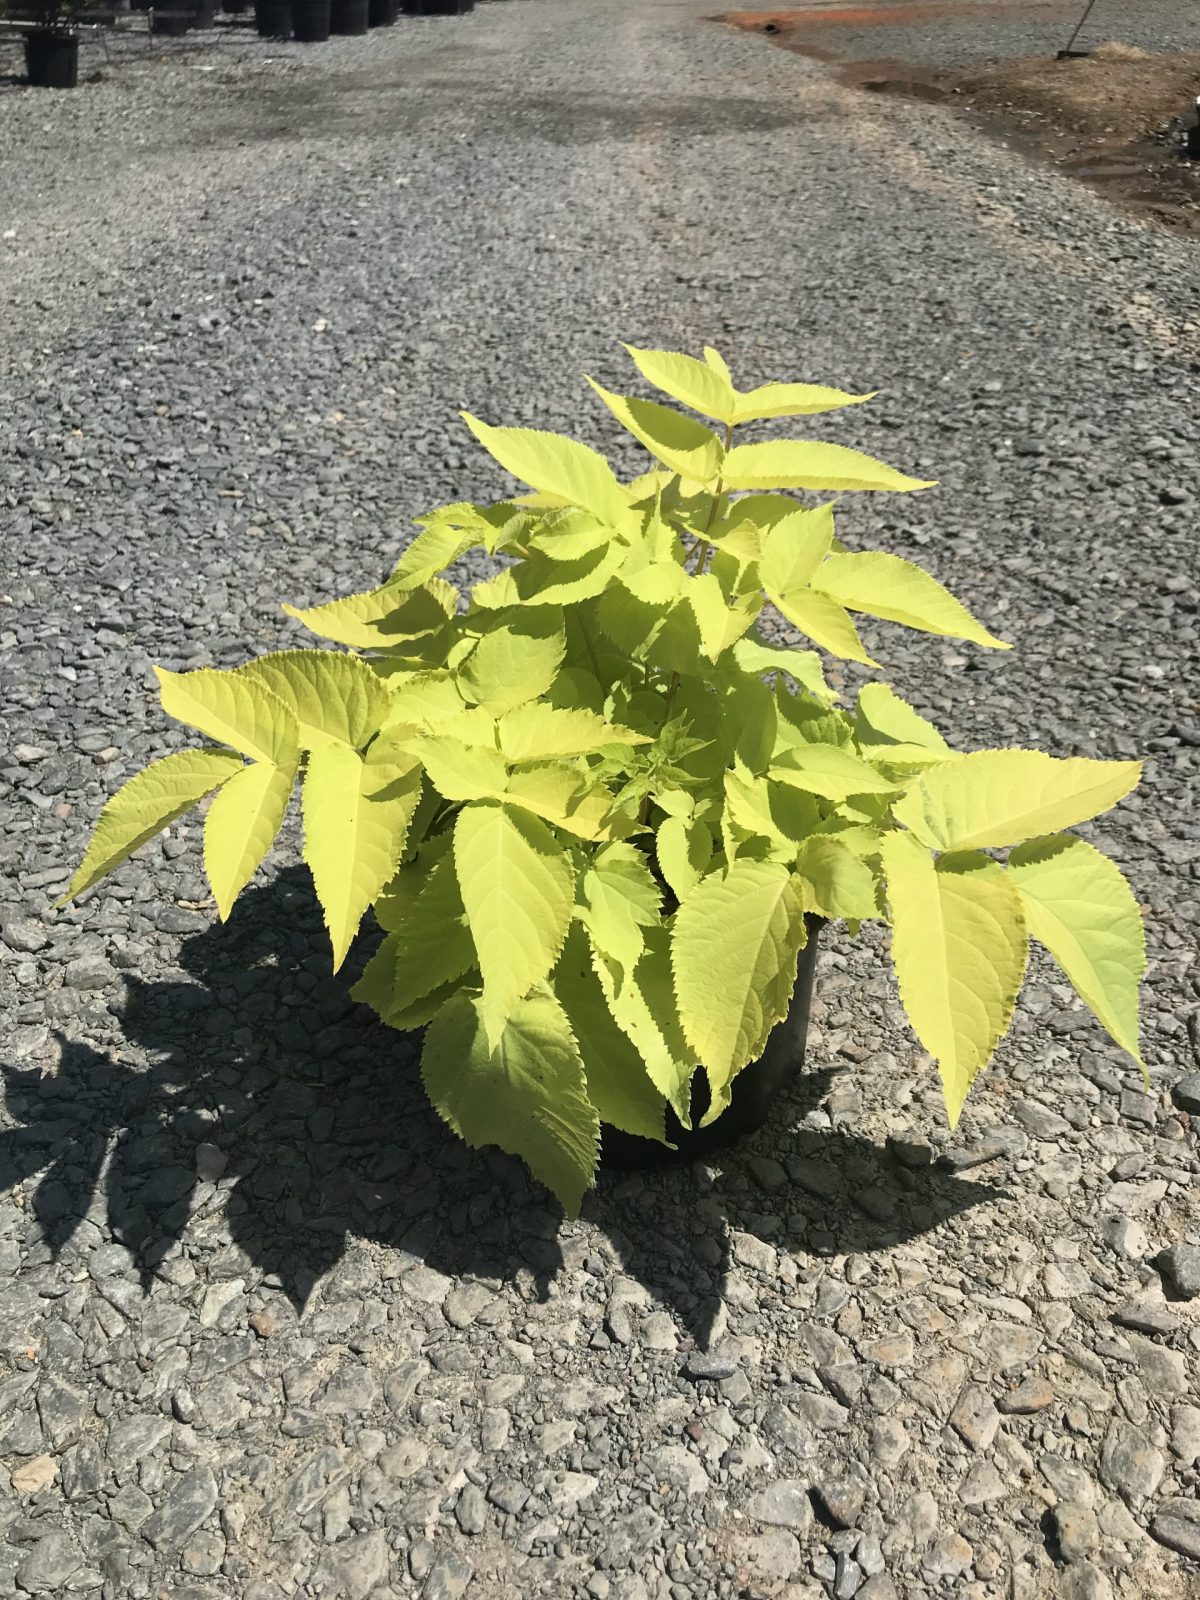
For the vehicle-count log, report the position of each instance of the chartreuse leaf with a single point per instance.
(555, 465)
(794, 547)
(569, 534)
(1078, 904)
(822, 620)
(461, 771)
(516, 659)
(233, 711)
(835, 881)
(378, 618)
(357, 812)
(331, 695)
(684, 848)
(641, 998)
(148, 803)
(699, 385)
(681, 443)
(803, 666)
(993, 798)
(432, 947)
(543, 732)
(810, 464)
(885, 586)
(562, 795)
(539, 581)
(431, 552)
(618, 1084)
(828, 770)
(423, 699)
(892, 731)
(521, 1087)
(793, 400)
(719, 623)
(518, 887)
(241, 826)
(756, 809)
(733, 953)
(619, 899)
(959, 948)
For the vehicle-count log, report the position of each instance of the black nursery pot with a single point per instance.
(174, 18)
(51, 59)
(439, 8)
(206, 14)
(382, 13)
(311, 20)
(754, 1092)
(350, 16)
(273, 18)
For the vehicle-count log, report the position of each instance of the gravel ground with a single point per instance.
(267, 1330)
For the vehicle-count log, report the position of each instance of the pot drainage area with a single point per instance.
(1113, 112)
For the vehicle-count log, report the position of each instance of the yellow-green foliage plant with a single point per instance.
(590, 805)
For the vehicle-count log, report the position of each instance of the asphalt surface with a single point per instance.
(266, 1330)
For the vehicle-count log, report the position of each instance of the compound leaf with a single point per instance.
(679, 442)
(618, 1084)
(516, 659)
(959, 948)
(241, 826)
(331, 695)
(684, 848)
(699, 385)
(522, 1088)
(993, 798)
(233, 711)
(431, 949)
(377, 619)
(1078, 904)
(824, 621)
(794, 547)
(356, 816)
(544, 732)
(792, 400)
(828, 770)
(734, 946)
(550, 462)
(810, 464)
(146, 804)
(836, 882)
(518, 887)
(885, 586)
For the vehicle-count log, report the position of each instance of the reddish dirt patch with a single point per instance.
(1113, 118)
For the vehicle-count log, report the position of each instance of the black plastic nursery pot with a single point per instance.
(51, 59)
(383, 13)
(206, 14)
(350, 16)
(439, 8)
(273, 18)
(173, 19)
(754, 1091)
(311, 20)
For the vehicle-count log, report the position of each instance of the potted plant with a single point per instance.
(52, 44)
(601, 817)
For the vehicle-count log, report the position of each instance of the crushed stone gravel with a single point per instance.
(266, 1330)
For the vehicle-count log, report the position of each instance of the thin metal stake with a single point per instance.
(1071, 42)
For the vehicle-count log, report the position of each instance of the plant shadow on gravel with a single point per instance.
(263, 1075)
